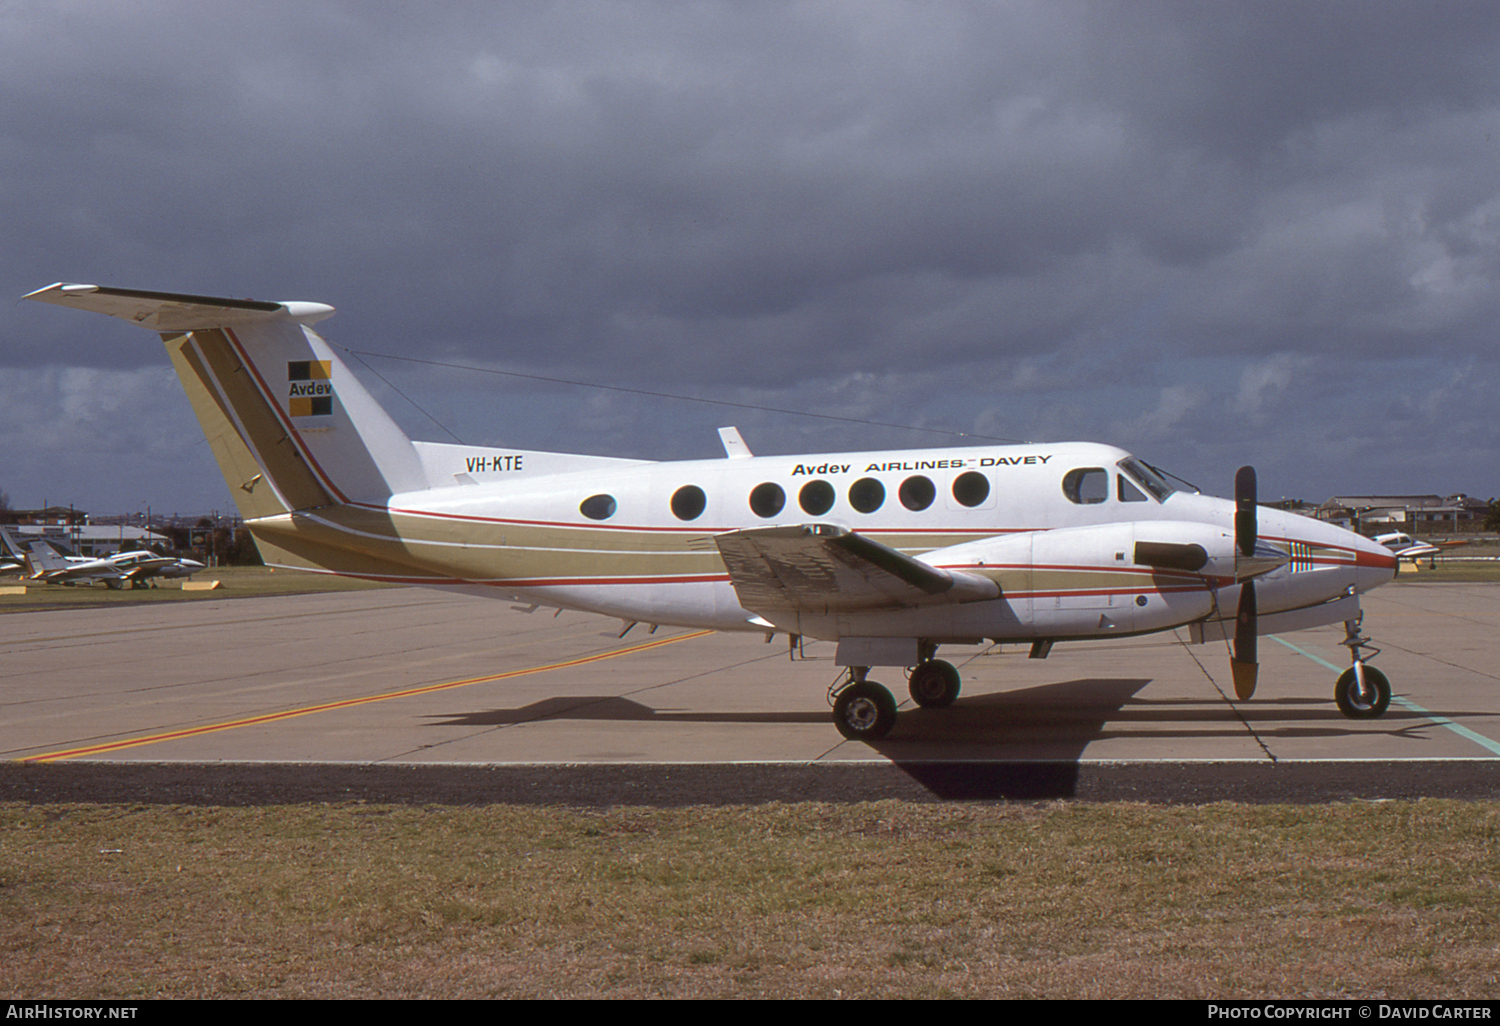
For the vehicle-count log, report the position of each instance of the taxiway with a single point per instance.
(379, 693)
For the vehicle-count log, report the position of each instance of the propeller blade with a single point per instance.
(1243, 666)
(1245, 526)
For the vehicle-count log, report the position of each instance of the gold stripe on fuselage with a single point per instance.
(374, 541)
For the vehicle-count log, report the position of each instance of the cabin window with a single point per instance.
(816, 497)
(767, 500)
(917, 492)
(866, 495)
(1129, 492)
(688, 502)
(971, 488)
(598, 507)
(1086, 485)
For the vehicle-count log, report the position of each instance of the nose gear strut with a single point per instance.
(1362, 692)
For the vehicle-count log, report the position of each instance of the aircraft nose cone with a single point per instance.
(1374, 564)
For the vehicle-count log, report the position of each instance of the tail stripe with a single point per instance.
(240, 407)
(271, 438)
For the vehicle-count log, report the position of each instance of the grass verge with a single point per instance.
(1392, 899)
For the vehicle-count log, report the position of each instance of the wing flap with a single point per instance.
(820, 568)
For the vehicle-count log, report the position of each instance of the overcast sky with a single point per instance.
(1212, 233)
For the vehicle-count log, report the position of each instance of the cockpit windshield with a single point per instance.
(1146, 477)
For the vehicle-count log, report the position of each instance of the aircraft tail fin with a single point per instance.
(42, 558)
(12, 548)
(289, 424)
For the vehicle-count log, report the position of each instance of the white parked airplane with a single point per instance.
(135, 568)
(1407, 547)
(891, 554)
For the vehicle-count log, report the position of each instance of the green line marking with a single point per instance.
(1406, 703)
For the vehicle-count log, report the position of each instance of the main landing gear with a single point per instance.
(866, 711)
(934, 684)
(1362, 692)
(862, 709)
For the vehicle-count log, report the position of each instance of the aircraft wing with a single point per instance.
(826, 569)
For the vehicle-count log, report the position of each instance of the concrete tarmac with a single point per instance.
(405, 694)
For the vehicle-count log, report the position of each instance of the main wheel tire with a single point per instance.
(1366, 706)
(935, 684)
(865, 711)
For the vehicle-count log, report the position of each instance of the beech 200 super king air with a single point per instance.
(888, 554)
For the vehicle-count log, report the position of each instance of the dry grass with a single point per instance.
(807, 900)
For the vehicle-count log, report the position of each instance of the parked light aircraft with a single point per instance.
(891, 554)
(135, 567)
(1407, 547)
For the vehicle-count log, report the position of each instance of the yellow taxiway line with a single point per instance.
(248, 721)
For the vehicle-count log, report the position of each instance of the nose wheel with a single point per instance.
(1362, 692)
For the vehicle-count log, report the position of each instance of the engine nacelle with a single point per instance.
(1120, 578)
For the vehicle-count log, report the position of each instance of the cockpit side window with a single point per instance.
(1146, 478)
(1127, 492)
(1086, 485)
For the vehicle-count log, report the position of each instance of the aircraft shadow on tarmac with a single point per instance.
(1079, 706)
(1064, 717)
(1024, 744)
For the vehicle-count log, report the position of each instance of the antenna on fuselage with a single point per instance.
(734, 446)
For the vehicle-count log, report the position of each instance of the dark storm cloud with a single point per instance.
(1100, 219)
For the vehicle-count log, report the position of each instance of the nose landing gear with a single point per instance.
(1362, 692)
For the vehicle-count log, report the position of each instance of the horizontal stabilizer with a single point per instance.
(289, 423)
(173, 311)
(45, 558)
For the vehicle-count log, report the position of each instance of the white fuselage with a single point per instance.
(1066, 511)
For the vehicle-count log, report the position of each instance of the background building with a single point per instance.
(1424, 514)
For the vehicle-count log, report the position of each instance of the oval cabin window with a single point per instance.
(767, 500)
(917, 493)
(688, 502)
(971, 488)
(816, 497)
(598, 507)
(867, 495)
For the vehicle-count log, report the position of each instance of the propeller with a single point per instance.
(1243, 665)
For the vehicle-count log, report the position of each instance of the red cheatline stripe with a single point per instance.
(250, 721)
